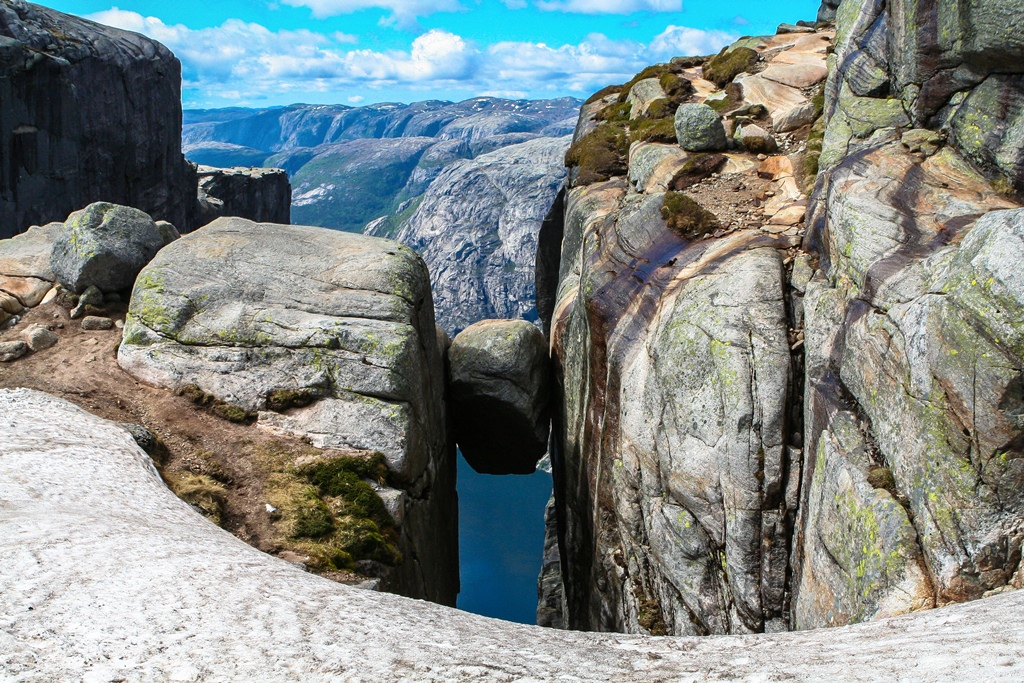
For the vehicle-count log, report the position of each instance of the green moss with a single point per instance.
(603, 93)
(675, 86)
(686, 216)
(214, 405)
(653, 130)
(650, 618)
(600, 155)
(200, 491)
(881, 478)
(728, 64)
(283, 399)
(662, 109)
(618, 112)
(311, 516)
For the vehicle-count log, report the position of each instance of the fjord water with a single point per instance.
(501, 542)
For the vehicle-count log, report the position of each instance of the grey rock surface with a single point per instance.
(477, 229)
(12, 350)
(248, 310)
(699, 129)
(67, 145)
(499, 383)
(97, 323)
(105, 246)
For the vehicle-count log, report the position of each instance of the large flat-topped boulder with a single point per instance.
(106, 575)
(324, 335)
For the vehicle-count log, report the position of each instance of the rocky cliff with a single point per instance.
(772, 420)
(91, 113)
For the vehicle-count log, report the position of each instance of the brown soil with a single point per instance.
(82, 368)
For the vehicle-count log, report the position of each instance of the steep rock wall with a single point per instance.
(90, 113)
(763, 429)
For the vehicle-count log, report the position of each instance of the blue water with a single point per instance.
(501, 542)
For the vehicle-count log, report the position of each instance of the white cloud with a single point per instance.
(403, 12)
(610, 6)
(356, 99)
(246, 62)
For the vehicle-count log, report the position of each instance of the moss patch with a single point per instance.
(618, 112)
(283, 399)
(728, 64)
(203, 493)
(328, 510)
(215, 406)
(600, 155)
(687, 217)
(653, 130)
(881, 478)
(653, 71)
(675, 86)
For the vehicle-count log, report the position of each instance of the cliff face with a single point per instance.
(477, 228)
(769, 424)
(90, 113)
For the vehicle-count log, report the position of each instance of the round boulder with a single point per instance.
(500, 386)
(104, 245)
(699, 129)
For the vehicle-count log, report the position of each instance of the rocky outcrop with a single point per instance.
(499, 386)
(90, 113)
(911, 368)
(763, 428)
(316, 334)
(263, 195)
(164, 594)
(477, 229)
(25, 271)
(104, 246)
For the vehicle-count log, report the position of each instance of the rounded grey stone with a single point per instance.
(699, 129)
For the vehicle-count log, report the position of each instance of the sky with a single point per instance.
(260, 53)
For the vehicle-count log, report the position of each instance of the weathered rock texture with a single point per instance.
(263, 195)
(263, 317)
(913, 471)
(152, 592)
(90, 113)
(477, 229)
(105, 246)
(500, 384)
(754, 436)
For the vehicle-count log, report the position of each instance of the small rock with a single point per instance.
(922, 141)
(119, 324)
(12, 350)
(271, 509)
(168, 232)
(39, 338)
(758, 140)
(775, 168)
(90, 359)
(50, 295)
(92, 296)
(791, 215)
(93, 323)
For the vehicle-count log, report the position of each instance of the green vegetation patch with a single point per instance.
(283, 399)
(687, 217)
(215, 406)
(653, 71)
(615, 113)
(881, 478)
(728, 64)
(327, 509)
(675, 86)
(600, 155)
(202, 492)
(653, 130)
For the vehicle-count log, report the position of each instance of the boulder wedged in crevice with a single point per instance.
(499, 385)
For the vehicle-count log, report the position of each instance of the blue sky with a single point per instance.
(273, 52)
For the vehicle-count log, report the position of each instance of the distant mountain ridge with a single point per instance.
(370, 169)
